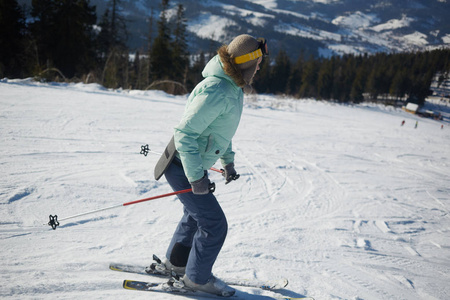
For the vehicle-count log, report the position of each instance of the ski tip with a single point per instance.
(281, 284)
(285, 282)
(127, 286)
(139, 285)
(290, 298)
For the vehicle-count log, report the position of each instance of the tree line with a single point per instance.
(355, 78)
(63, 40)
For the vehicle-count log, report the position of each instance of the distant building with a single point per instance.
(415, 109)
(440, 86)
(411, 108)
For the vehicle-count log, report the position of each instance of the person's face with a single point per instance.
(256, 69)
(257, 66)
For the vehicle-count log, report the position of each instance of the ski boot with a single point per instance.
(213, 286)
(164, 268)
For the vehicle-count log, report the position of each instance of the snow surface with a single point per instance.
(210, 26)
(271, 4)
(393, 24)
(416, 38)
(356, 20)
(340, 199)
(307, 32)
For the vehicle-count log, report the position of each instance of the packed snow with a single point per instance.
(342, 200)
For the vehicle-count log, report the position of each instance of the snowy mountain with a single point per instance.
(342, 200)
(323, 27)
(318, 27)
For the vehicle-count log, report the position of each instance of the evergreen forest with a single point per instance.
(64, 40)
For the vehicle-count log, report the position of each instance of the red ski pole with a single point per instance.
(53, 222)
(157, 197)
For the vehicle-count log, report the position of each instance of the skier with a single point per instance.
(203, 136)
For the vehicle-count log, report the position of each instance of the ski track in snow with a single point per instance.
(339, 199)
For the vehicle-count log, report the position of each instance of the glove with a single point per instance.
(203, 186)
(230, 173)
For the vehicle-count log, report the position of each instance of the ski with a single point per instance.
(153, 270)
(172, 288)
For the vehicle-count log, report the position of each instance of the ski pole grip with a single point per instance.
(212, 187)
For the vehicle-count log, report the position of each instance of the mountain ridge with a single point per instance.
(309, 27)
(320, 27)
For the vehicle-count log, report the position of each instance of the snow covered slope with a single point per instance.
(341, 200)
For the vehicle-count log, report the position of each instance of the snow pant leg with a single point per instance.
(180, 246)
(210, 227)
(181, 243)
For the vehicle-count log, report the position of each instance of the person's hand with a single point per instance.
(230, 173)
(203, 186)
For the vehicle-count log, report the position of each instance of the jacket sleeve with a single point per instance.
(228, 156)
(199, 114)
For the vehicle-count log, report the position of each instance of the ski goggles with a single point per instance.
(262, 50)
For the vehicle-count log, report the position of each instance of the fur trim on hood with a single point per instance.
(230, 68)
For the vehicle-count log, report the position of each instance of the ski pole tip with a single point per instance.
(145, 150)
(53, 221)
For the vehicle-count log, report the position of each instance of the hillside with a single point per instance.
(341, 200)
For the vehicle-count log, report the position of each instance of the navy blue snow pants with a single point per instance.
(201, 232)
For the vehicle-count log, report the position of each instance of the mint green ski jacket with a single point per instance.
(210, 120)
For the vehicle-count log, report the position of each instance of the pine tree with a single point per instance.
(113, 30)
(179, 45)
(64, 35)
(358, 84)
(162, 53)
(295, 78)
(12, 39)
(309, 79)
(325, 79)
(280, 73)
(376, 79)
(399, 84)
(147, 64)
(349, 77)
(338, 75)
(119, 34)
(113, 53)
(104, 38)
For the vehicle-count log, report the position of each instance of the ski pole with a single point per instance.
(53, 220)
(145, 150)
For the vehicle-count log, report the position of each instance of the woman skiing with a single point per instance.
(202, 137)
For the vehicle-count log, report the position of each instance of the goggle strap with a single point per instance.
(248, 57)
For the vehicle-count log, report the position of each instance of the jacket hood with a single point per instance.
(218, 66)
